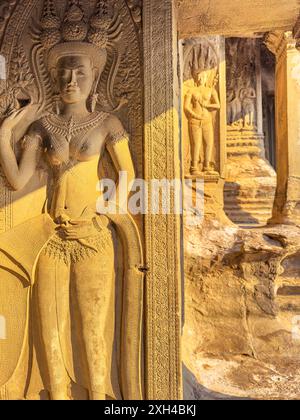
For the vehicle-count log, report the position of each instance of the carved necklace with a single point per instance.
(72, 129)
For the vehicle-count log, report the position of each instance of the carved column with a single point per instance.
(163, 233)
(204, 118)
(287, 202)
(251, 181)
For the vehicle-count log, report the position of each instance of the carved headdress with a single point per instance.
(75, 34)
(201, 57)
(204, 59)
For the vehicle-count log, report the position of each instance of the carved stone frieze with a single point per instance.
(278, 42)
(162, 161)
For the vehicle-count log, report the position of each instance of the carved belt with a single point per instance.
(72, 251)
(200, 123)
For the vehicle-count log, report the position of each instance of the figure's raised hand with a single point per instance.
(14, 118)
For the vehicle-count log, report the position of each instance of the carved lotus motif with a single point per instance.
(98, 38)
(74, 14)
(50, 21)
(50, 37)
(74, 32)
(100, 22)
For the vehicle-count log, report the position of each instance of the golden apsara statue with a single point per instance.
(200, 101)
(68, 254)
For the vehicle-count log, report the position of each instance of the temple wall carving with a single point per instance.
(204, 117)
(149, 199)
(202, 105)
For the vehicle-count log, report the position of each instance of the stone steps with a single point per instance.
(250, 203)
(238, 216)
(249, 210)
(255, 206)
(240, 151)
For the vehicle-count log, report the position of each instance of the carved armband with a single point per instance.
(32, 143)
(118, 137)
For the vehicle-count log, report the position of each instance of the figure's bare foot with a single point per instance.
(210, 169)
(196, 172)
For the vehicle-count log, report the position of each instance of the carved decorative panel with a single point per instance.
(241, 82)
(32, 30)
(203, 106)
(163, 234)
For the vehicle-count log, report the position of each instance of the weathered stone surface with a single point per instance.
(242, 378)
(242, 303)
(234, 18)
(249, 189)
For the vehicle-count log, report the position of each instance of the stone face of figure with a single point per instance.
(76, 268)
(75, 77)
(200, 101)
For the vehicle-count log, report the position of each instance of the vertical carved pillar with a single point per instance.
(287, 202)
(204, 118)
(163, 233)
(251, 181)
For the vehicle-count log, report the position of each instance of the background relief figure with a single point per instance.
(200, 101)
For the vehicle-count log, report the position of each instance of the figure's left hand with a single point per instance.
(78, 229)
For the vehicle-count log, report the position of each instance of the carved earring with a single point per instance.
(56, 103)
(94, 100)
(95, 95)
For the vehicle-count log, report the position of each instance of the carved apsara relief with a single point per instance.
(201, 97)
(73, 78)
(241, 83)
